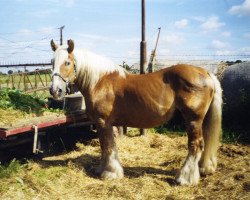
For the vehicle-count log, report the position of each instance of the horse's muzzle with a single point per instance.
(57, 92)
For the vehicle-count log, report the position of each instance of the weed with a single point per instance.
(17, 100)
(6, 171)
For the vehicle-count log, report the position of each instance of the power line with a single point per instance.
(20, 32)
(16, 42)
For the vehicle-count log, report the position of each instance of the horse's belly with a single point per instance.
(143, 118)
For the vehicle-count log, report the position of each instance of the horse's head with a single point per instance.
(64, 70)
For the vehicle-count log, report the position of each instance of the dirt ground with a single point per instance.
(150, 164)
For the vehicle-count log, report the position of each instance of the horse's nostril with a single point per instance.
(59, 91)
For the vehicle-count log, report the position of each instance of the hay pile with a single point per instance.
(150, 164)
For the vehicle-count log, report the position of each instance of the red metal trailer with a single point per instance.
(43, 123)
(38, 125)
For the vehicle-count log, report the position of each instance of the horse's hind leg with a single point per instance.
(189, 173)
(110, 167)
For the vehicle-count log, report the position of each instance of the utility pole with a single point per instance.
(152, 58)
(143, 47)
(61, 35)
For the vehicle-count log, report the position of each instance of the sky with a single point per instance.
(204, 29)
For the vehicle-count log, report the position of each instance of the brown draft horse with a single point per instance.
(115, 97)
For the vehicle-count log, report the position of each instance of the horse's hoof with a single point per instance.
(107, 175)
(187, 180)
(98, 170)
(209, 168)
(187, 176)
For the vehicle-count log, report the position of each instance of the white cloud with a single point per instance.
(212, 23)
(243, 9)
(199, 18)
(217, 44)
(226, 34)
(181, 23)
(173, 39)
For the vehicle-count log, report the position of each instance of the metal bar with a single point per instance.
(27, 65)
(35, 139)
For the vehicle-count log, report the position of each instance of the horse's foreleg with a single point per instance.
(110, 167)
(189, 173)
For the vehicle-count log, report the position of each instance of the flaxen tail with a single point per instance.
(212, 131)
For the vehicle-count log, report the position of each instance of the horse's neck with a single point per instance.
(91, 67)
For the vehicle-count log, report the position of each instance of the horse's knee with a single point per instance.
(196, 146)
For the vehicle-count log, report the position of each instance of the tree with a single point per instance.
(125, 66)
(10, 72)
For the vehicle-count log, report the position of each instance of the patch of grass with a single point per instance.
(8, 170)
(228, 136)
(168, 130)
(42, 175)
(231, 137)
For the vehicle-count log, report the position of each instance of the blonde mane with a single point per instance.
(91, 67)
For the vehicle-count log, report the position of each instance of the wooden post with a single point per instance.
(143, 48)
(45, 74)
(24, 82)
(12, 82)
(35, 80)
(143, 45)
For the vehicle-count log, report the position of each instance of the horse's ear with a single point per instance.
(70, 46)
(53, 45)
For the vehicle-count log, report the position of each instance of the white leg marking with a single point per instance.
(111, 168)
(189, 173)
